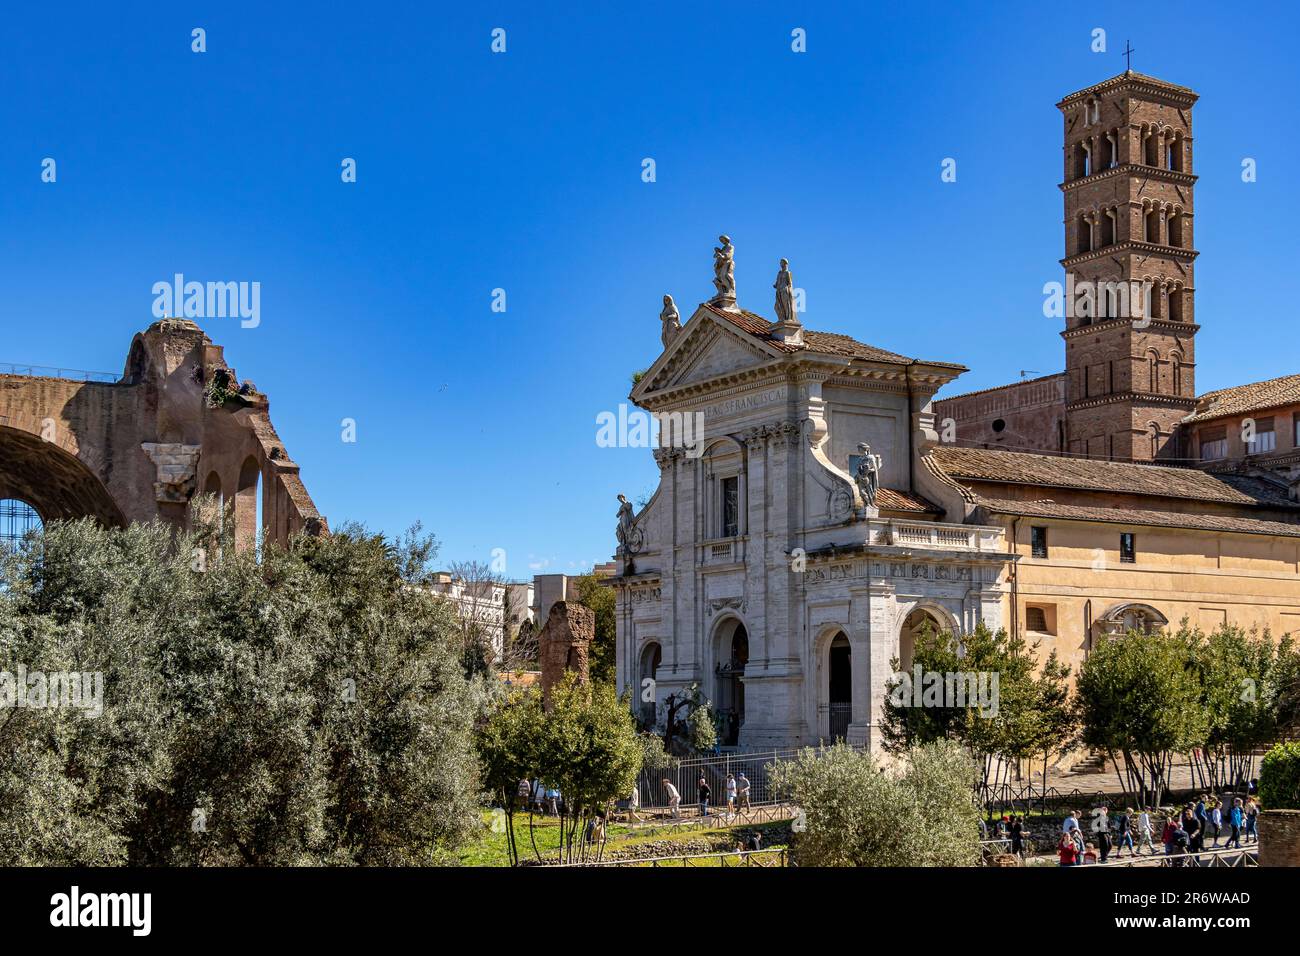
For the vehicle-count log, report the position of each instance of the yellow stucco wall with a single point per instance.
(1206, 577)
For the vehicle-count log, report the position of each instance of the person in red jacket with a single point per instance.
(1167, 836)
(1067, 851)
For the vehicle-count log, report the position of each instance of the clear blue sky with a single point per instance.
(522, 171)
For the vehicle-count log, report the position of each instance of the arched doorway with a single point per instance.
(915, 626)
(732, 654)
(840, 669)
(652, 656)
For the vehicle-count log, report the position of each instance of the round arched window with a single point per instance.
(17, 518)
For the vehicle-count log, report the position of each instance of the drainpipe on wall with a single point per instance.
(1015, 580)
(1087, 628)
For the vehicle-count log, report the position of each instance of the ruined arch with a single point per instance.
(247, 491)
(57, 484)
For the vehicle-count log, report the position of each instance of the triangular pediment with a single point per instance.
(706, 348)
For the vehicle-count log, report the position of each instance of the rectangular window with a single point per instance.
(1127, 548)
(1038, 541)
(730, 507)
(1214, 444)
(1295, 436)
(1265, 438)
(1040, 618)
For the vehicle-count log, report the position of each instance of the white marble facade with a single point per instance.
(760, 572)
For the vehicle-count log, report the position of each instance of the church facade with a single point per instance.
(832, 509)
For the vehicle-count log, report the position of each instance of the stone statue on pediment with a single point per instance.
(784, 286)
(672, 321)
(724, 271)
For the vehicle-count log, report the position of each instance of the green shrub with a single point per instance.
(1279, 778)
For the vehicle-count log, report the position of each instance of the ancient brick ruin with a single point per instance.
(177, 423)
(564, 644)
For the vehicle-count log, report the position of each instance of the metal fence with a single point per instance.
(51, 371)
(770, 858)
(685, 776)
(1223, 857)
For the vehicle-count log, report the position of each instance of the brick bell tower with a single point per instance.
(1129, 254)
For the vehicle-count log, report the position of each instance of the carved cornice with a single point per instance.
(1149, 88)
(1141, 398)
(1133, 169)
(1131, 245)
(1155, 325)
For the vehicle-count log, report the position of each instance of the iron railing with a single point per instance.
(685, 776)
(775, 857)
(51, 371)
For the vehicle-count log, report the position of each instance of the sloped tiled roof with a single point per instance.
(1085, 474)
(1139, 516)
(888, 499)
(1253, 397)
(827, 343)
(1131, 77)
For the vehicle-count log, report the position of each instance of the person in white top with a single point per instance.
(731, 793)
(1144, 832)
(674, 798)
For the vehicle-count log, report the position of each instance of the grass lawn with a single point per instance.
(490, 849)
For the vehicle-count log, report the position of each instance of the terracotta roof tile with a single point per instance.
(1139, 516)
(986, 464)
(1252, 397)
(828, 343)
(888, 499)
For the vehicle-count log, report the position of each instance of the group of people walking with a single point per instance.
(1185, 832)
(737, 794)
(537, 796)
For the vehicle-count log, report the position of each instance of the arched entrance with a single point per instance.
(840, 670)
(731, 651)
(915, 626)
(56, 484)
(652, 656)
